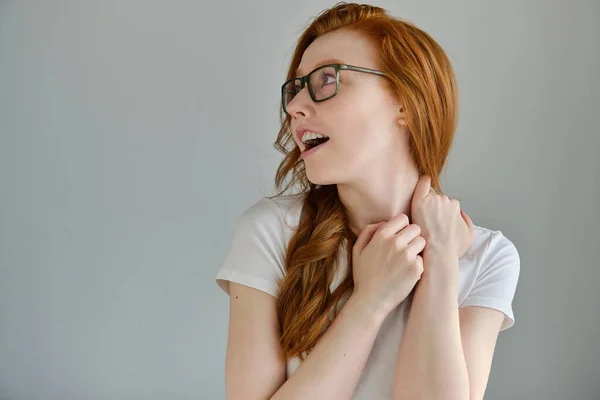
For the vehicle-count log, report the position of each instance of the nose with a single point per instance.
(301, 104)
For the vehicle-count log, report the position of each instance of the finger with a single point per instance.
(420, 265)
(406, 235)
(467, 220)
(416, 246)
(423, 188)
(470, 225)
(365, 236)
(394, 225)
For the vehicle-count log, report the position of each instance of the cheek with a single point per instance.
(351, 125)
(358, 133)
(357, 120)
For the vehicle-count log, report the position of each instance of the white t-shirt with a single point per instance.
(488, 277)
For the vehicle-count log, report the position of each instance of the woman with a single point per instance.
(368, 117)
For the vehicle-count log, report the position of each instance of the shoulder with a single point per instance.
(489, 244)
(489, 273)
(498, 247)
(491, 257)
(279, 206)
(272, 217)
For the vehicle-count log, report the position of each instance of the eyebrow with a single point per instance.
(323, 62)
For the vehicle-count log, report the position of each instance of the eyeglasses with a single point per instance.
(323, 83)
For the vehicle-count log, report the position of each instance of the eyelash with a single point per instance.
(322, 74)
(325, 75)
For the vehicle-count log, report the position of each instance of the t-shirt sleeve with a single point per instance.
(496, 282)
(256, 256)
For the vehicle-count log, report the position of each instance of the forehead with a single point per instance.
(340, 46)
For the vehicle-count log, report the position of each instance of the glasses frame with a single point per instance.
(305, 80)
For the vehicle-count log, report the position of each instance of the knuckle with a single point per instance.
(402, 219)
(418, 241)
(406, 256)
(399, 244)
(419, 269)
(418, 265)
(416, 228)
(379, 234)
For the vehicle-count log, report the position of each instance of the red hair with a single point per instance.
(422, 78)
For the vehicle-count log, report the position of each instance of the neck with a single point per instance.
(370, 201)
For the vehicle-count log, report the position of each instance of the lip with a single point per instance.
(300, 129)
(305, 153)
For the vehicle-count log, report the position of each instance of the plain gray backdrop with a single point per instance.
(133, 134)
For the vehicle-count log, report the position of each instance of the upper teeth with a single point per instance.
(308, 135)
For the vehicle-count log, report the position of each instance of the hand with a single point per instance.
(386, 264)
(445, 227)
(467, 234)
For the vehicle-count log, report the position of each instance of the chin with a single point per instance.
(320, 178)
(323, 177)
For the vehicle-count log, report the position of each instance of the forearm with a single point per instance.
(332, 369)
(431, 362)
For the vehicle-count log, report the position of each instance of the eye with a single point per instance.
(324, 76)
(293, 89)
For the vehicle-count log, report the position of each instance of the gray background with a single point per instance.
(133, 135)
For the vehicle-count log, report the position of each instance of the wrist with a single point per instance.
(366, 308)
(439, 253)
(440, 268)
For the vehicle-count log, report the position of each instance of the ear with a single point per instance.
(402, 119)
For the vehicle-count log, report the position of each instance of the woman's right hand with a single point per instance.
(386, 264)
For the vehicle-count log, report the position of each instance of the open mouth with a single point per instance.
(315, 142)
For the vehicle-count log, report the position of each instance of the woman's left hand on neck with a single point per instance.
(448, 231)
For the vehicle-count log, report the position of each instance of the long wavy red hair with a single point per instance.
(422, 78)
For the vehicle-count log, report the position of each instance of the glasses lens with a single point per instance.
(323, 83)
(290, 90)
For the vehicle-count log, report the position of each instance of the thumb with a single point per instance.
(365, 236)
(468, 221)
(423, 188)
